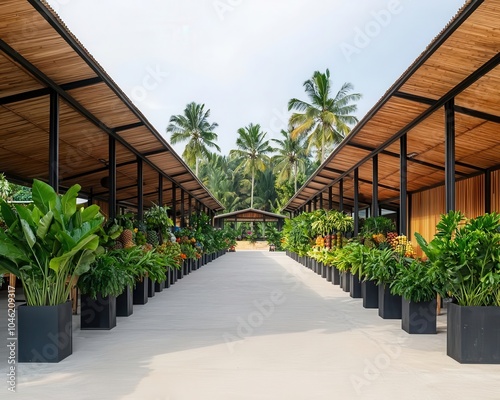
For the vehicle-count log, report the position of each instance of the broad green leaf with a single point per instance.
(28, 233)
(26, 214)
(12, 251)
(44, 225)
(89, 213)
(8, 267)
(89, 243)
(8, 214)
(83, 265)
(44, 196)
(68, 201)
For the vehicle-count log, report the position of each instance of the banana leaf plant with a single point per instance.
(49, 243)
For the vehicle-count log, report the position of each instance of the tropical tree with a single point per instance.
(193, 127)
(252, 152)
(291, 158)
(324, 120)
(265, 191)
(4, 187)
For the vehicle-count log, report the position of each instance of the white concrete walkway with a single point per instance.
(253, 325)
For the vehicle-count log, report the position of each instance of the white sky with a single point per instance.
(244, 59)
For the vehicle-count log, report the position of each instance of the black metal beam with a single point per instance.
(341, 195)
(32, 94)
(487, 190)
(403, 186)
(98, 170)
(375, 212)
(183, 220)
(174, 203)
(160, 190)
(140, 190)
(112, 178)
(81, 83)
(330, 197)
(450, 154)
(356, 202)
(54, 141)
(362, 180)
(128, 126)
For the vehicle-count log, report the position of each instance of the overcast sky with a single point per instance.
(245, 59)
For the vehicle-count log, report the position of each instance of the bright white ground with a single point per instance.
(253, 325)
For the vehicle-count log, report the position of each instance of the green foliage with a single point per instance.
(49, 243)
(274, 237)
(297, 234)
(466, 256)
(157, 219)
(382, 265)
(376, 225)
(106, 276)
(415, 281)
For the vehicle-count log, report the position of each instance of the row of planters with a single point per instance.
(461, 264)
(53, 245)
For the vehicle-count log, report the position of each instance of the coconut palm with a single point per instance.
(324, 120)
(291, 158)
(252, 152)
(193, 127)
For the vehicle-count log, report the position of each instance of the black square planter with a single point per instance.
(355, 286)
(346, 281)
(329, 273)
(125, 303)
(45, 333)
(99, 313)
(335, 276)
(418, 318)
(141, 291)
(159, 286)
(369, 292)
(324, 271)
(180, 271)
(151, 288)
(473, 334)
(389, 305)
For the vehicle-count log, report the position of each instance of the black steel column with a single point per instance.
(190, 208)
(330, 198)
(356, 202)
(341, 195)
(174, 204)
(140, 190)
(321, 200)
(112, 178)
(160, 190)
(54, 141)
(183, 220)
(449, 165)
(90, 199)
(487, 189)
(375, 187)
(403, 185)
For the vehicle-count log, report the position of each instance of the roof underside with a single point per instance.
(461, 63)
(251, 215)
(38, 55)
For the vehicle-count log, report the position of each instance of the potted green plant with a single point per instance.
(48, 245)
(466, 254)
(99, 286)
(415, 282)
(381, 267)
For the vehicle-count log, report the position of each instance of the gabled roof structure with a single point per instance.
(457, 74)
(46, 71)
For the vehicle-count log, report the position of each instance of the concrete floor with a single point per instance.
(253, 325)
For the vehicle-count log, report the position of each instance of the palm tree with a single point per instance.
(291, 158)
(194, 128)
(252, 152)
(4, 187)
(324, 120)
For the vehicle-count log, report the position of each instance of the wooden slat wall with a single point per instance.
(470, 199)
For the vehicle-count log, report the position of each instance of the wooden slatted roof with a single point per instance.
(38, 55)
(461, 63)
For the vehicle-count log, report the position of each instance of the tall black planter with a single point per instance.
(418, 318)
(159, 286)
(141, 291)
(335, 276)
(180, 271)
(99, 313)
(45, 333)
(369, 292)
(473, 334)
(151, 288)
(389, 305)
(346, 281)
(125, 303)
(355, 286)
(329, 273)
(324, 269)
